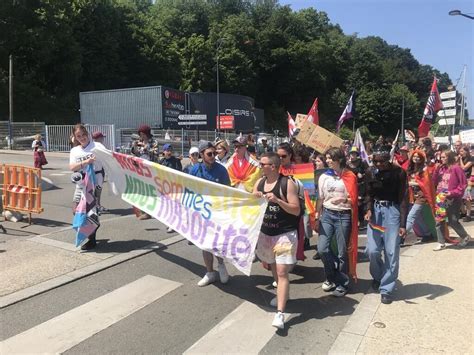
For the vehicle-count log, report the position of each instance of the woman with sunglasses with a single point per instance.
(337, 214)
(286, 154)
(450, 183)
(223, 151)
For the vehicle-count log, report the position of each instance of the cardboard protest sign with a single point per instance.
(300, 120)
(217, 218)
(317, 137)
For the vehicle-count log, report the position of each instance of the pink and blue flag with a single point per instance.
(348, 112)
(86, 219)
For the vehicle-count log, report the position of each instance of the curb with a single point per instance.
(71, 276)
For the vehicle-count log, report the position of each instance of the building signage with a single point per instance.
(226, 122)
(449, 103)
(446, 121)
(173, 106)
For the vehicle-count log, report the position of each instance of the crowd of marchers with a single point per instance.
(391, 191)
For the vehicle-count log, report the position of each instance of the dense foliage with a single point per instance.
(280, 57)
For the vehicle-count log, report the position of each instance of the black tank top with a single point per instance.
(276, 220)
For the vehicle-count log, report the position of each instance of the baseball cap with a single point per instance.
(167, 146)
(193, 150)
(354, 150)
(97, 135)
(205, 145)
(240, 140)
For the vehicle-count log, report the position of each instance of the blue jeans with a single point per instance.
(415, 217)
(385, 271)
(334, 225)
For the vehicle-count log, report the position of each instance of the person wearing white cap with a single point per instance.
(194, 159)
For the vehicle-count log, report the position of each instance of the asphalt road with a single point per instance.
(169, 313)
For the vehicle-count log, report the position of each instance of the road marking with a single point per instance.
(66, 172)
(69, 329)
(55, 174)
(248, 322)
(45, 286)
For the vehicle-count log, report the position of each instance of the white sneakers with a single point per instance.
(211, 277)
(279, 320)
(439, 247)
(223, 275)
(328, 286)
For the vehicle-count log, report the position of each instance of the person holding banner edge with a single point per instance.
(211, 170)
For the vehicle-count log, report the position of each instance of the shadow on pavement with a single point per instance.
(118, 212)
(120, 246)
(412, 291)
(47, 223)
(309, 274)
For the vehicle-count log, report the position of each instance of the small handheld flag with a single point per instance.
(348, 112)
(313, 114)
(376, 227)
(291, 125)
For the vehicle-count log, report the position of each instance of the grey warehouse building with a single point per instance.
(160, 106)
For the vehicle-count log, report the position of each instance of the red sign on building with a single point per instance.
(226, 122)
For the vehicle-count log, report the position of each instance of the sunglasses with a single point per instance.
(283, 156)
(211, 154)
(238, 146)
(195, 154)
(265, 164)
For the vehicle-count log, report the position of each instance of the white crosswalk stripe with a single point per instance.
(244, 331)
(69, 329)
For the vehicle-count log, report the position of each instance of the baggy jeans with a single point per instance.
(415, 217)
(386, 270)
(335, 225)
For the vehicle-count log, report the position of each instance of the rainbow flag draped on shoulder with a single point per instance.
(243, 173)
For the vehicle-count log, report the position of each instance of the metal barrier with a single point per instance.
(58, 137)
(23, 134)
(21, 189)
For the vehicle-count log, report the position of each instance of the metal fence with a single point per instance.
(23, 134)
(58, 137)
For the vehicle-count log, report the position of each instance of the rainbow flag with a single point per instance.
(376, 227)
(304, 173)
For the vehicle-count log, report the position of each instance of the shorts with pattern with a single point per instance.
(279, 248)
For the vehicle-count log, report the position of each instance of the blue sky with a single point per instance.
(424, 26)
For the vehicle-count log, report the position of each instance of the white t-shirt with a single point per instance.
(78, 154)
(332, 188)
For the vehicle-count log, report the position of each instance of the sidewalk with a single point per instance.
(433, 311)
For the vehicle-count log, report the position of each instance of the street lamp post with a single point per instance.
(218, 47)
(459, 13)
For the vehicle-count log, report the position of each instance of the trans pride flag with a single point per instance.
(86, 220)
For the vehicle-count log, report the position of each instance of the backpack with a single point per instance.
(284, 190)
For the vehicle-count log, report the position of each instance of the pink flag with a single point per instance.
(313, 114)
(291, 125)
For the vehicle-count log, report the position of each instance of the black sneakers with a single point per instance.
(386, 298)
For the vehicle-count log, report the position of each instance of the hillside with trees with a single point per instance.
(282, 58)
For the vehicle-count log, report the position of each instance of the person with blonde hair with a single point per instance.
(39, 146)
(223, 151)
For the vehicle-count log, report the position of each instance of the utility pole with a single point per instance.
(403, 120)
(10, 98)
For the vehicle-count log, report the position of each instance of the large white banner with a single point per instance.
(216, 218)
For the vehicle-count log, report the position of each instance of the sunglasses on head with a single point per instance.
(211, 154)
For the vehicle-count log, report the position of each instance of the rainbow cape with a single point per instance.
(243, 176)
